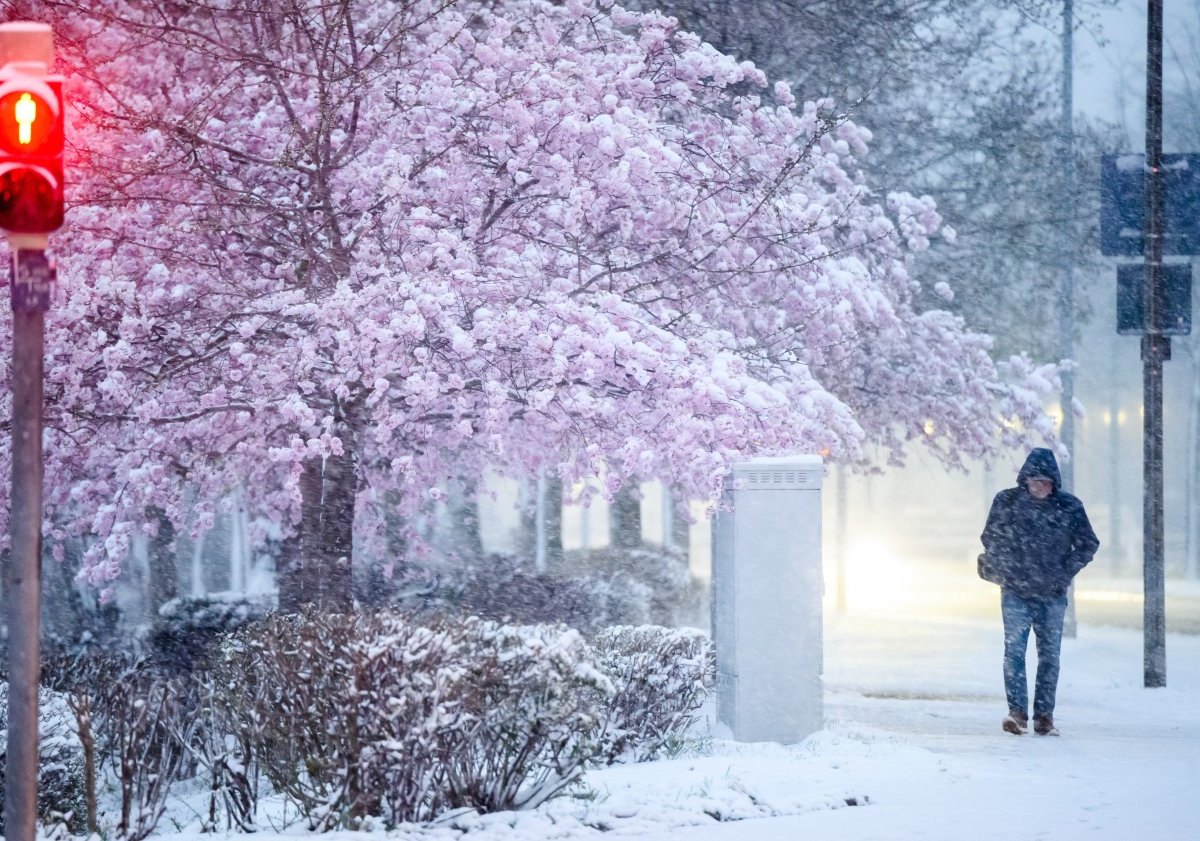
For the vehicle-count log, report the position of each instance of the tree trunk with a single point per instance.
(625, 518)
(335, 558)
(237, 554)
(525, 535)
(287, 572)
(63, 612)
(551, 533)
(468, 540)
(164, 575)
(296, 569)
(376, 586)
(681, 529)
(80, 703)
(198, 588)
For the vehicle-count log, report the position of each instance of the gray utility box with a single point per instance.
(767, 589)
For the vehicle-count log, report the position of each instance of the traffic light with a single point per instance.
(31, 152)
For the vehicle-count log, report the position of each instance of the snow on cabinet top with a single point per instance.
(779, 472)
(780, 461)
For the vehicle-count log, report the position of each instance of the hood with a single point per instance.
(1040, 462)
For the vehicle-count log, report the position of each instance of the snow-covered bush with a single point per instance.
(661, 677)
(136, 724)
(534, 716)
(505, 588)
(143, 729)
(294, 688)
(417, 674)
(149, 730)
(61, 790)
(393, 716)
(404, 717)
(223, 749)
(96, 686)
(589, 590)
(644, 585)
(186, 628)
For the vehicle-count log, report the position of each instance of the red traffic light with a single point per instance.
(30, 118)
(31, 148)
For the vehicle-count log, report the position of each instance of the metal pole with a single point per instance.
(1066, 283)
(31, 45)
(1155, 348)
(23, 574)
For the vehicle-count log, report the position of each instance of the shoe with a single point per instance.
(1043, 725)
(1016, 722)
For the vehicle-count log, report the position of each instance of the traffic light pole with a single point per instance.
(1156, 348)
(31, 145)
(22, 576)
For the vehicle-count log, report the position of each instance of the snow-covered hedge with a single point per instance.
(661, 677)
(395, 717)
(506, 588)
(135, 724)
(61, 791)
(534, 715)
(586, 589)
(185, 629)
(644, 585)
(289, 686)
(405, 718)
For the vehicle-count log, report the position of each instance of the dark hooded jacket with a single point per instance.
(1038, 545)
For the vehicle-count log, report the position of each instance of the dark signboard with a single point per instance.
(1123, 204)
(1177, 299)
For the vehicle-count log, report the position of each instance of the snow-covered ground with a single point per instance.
(912, 748)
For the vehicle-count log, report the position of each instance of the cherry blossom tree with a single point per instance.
(335, 253)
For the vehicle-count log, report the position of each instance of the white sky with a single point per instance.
(1110, 61)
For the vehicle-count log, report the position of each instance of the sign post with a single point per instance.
(1156, 348)
(1150, 207)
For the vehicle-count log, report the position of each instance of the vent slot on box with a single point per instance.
(771, 479)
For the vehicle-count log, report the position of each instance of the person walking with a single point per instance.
(1036, 540)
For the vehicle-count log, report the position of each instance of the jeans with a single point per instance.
(1045, 617)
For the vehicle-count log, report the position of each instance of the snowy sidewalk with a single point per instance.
(913, 723)
(912, 749)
